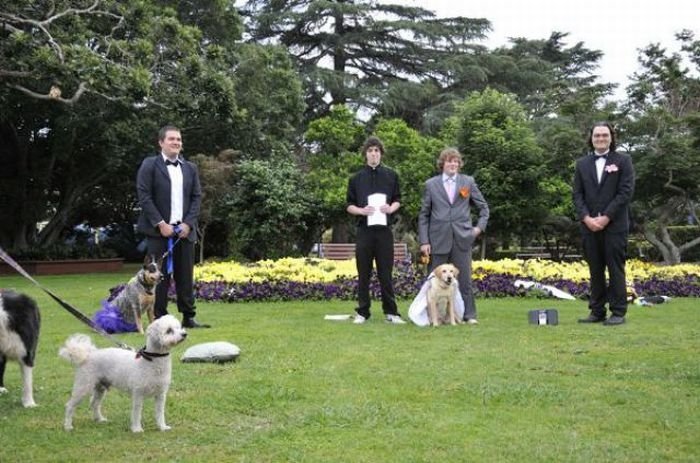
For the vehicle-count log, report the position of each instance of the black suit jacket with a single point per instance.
(153, 189)
(611, 197)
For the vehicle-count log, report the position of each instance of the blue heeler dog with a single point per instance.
(123, 314)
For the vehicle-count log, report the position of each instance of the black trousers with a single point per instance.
(603, 251)
(375, 244)
(183, 274)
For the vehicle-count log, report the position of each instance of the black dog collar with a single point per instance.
(146, 287)
(149, 355)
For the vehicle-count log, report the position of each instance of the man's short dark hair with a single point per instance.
(165, 129)
(373, 141)
(613, 144)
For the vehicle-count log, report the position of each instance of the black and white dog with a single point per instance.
(19, 336)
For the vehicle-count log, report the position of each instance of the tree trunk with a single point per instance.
(201, 232)
(66, 206)
(341, 233)
(20, 241)
(661, 239)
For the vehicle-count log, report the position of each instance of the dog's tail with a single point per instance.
(77, 349)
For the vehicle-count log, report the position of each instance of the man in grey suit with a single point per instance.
(445, 226)
(170, 196)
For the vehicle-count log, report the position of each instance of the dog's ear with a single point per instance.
(455, 270)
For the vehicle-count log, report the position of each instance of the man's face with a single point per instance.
(171, 144)
(451, 166)
(374, 156)
(601, 139)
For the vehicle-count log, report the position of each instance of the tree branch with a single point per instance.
(71, 11)
(669, 184)
(54, 94)
(39, 25)
(51, 17)
(4, 73)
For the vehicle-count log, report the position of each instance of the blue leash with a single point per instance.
(169, 253)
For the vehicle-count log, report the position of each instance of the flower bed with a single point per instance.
(318, 279)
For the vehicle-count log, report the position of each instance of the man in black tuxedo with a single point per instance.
(603, 188)
(170, 196)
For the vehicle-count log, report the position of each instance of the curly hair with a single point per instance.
(448, 154)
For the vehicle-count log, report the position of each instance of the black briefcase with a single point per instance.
(543, 317)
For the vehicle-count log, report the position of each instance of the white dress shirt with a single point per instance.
(176, 191)
(600, 165)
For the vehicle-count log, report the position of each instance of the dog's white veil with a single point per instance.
(418, 310)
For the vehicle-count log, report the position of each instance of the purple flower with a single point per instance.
(407, 282)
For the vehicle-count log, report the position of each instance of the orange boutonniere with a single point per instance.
(464, 191)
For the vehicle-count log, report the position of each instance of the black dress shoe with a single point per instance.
(192, 323)
(614, 320)
(592, 319)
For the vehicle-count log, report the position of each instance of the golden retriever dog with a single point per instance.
(441, 293)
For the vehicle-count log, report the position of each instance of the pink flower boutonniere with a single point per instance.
(464, 191)
(611, 168)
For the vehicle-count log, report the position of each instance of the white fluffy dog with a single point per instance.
(144, 374)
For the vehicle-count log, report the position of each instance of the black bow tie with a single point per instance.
(601, 156)
(172, 163)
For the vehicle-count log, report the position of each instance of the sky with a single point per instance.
(618, 28)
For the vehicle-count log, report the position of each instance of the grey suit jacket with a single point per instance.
(443, 225)
(153, 189)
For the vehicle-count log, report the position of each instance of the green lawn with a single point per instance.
(311, 390)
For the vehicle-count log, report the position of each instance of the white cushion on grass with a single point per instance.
(215, 352)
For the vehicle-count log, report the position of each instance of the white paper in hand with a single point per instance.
(376, 200)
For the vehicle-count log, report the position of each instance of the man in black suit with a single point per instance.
(603, 188)
(170, 196)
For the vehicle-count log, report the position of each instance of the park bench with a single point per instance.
(343, 251)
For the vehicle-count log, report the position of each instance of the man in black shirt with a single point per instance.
(375, 241)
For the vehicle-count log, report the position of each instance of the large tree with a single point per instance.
(501, 152)
(84, 86)
(56, 60)
(272, 210)
(332, 156)
(663, 135)
(549, 77)
(352, 51)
